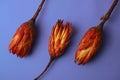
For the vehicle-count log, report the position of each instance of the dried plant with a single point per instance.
(58, 41)
(91, 41)
(24, 36)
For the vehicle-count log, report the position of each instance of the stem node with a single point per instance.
(107, 15)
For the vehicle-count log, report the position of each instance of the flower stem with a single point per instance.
(50, 61)
(107, 15)
(38, 10)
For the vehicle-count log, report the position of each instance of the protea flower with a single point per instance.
(22, 40)
(58, 41)
(24, 36)
(91, 41)
(89, 45)
(59, 38)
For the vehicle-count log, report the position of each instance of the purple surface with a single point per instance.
(83, 14)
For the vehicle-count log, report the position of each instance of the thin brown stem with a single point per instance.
(50, 61)
(107, 15)
(38, 10)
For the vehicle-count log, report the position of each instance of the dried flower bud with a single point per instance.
(91, 41)
(88, 46)
(58, 41)
(24, 36)
(59, 38)
(22, 40)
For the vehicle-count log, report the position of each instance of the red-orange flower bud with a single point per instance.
(91, 41)
(59, 38)
(24, 36)
(22, 40)
(58, 41)
(89, 45)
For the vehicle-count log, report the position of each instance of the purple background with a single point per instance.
(83, 14)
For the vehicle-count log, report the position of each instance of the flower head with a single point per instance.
(89, 45)
(59, 38)
(22, 40)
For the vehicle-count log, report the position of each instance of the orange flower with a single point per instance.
(89, 45)
(24, 36)
(91, 41)
(22, 40)
(59, 38)
(58, 41)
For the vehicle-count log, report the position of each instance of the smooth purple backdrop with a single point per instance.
(83, 14)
